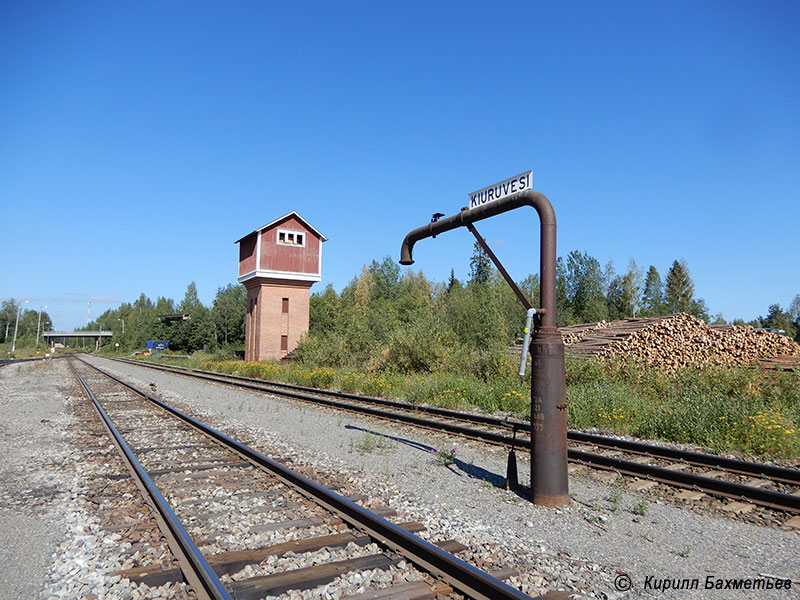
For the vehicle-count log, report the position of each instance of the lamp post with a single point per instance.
(16, 327)
(39, 325)
(123, 325)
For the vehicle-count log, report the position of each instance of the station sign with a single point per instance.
(512, 185)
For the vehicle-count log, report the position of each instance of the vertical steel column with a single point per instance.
(549, 484)
(549, 481)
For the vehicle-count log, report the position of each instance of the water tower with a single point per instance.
(278, 264)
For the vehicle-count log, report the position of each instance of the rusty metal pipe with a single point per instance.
(549, 481)
(547, 260)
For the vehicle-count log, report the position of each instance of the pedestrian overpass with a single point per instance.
(52, 336)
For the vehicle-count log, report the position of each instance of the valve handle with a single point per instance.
(523, 363)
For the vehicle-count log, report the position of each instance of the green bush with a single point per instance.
(319, 377)
(735, 409)
(350, 382)
(510, 394)
(332, 350)
(383, 385)
(414, 349)
(254, 370)
(485, 363)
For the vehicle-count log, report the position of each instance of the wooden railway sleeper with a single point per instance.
(467, 579)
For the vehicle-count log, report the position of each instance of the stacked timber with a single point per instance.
(676, 341)
(747, 343)
(575, 333)
(784, 363)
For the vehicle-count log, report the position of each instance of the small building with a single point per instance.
(278, 264)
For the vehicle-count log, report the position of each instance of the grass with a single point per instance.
(445, 456)
(368, 443)
(615, 497)
(641, 507)
(745, 411)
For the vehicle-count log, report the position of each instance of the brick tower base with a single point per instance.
(277, 317)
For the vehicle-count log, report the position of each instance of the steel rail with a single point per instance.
(741, 467)
(733, 465)
(462, 576)
(195, 568)
(10, 361)
(739, 491)
(487, 436)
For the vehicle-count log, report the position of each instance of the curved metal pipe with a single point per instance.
(549, 478)
(547, 255)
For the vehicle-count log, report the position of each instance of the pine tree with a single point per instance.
(794, 309)
(452, 281)
(617, 308)
(679, 289)
(480, 266)
(653, 297)
(8, 315)
(564, 314)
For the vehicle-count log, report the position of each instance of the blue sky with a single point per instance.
(138, 141)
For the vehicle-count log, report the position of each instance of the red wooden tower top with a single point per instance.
(287, 248)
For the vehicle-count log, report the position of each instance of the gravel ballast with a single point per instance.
(582, 548)
(33, 486)
(49, 551)
(52, 542)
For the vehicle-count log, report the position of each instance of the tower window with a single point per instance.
(285, 305)
(284, 342)
(287, 237)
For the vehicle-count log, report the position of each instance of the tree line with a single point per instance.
(25, 321)
(403, 321)
(219, 326)
(133, 324)
(398, 318)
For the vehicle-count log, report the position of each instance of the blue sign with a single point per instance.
(157, 344)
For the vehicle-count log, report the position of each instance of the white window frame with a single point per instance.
(294, 233)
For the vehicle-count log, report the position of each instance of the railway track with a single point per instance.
(242, 525)
(10, 361)
(772, 487)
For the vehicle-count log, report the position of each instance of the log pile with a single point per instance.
(679, 340)
(574, 333)
(784, 363)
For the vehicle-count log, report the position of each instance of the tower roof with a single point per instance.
(284, 217)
